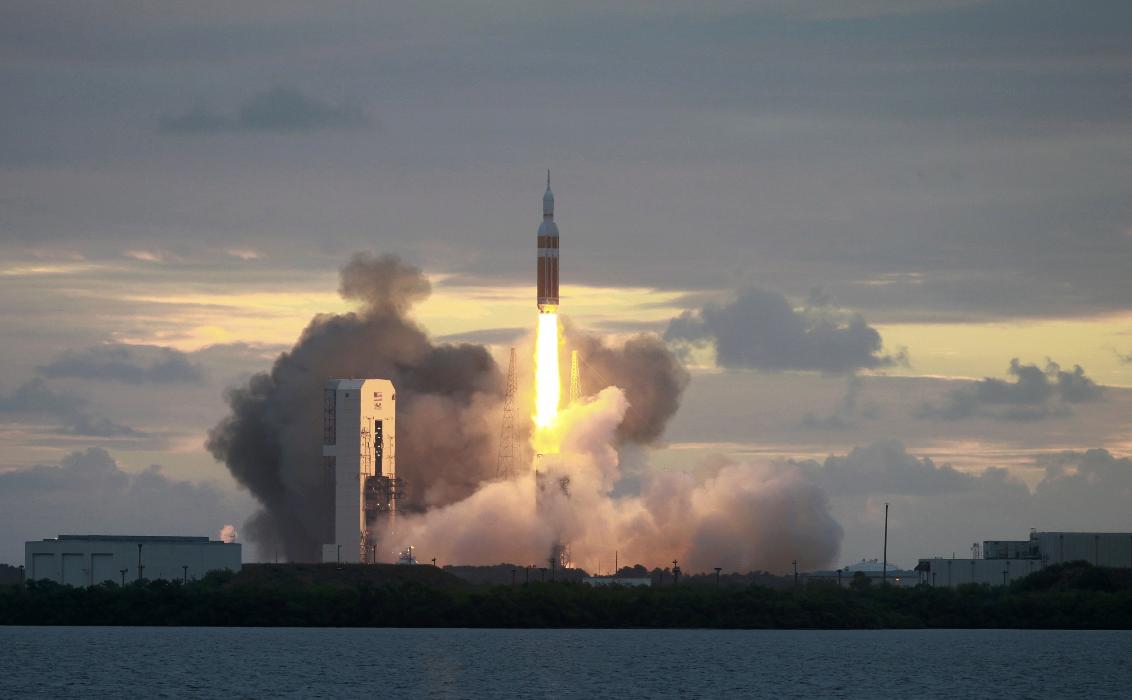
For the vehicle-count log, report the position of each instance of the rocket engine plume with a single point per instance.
(548, 391)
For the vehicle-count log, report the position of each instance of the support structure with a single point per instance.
(505, 465)
(575, 378)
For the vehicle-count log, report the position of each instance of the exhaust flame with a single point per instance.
(548, 388)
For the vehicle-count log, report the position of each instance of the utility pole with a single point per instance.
(185, 573)
(795, 573)
(884, 563)
(675, 573)
(512, 578)
(123, 572)
(140, 567)
(717, 570)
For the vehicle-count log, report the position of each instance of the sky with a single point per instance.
(890, 240)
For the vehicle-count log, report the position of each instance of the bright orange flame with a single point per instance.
(548, 388)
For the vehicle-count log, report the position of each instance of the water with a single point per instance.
(462, 663)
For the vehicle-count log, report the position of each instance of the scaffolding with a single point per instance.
(505, 464)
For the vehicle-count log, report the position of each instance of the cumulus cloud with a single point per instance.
(944, 509)
(89, 493)
(1035, 394)
(35, 399)
(280, 109)
(130, 364)
(760, 329)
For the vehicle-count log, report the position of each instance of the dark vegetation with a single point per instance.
(1065, 596)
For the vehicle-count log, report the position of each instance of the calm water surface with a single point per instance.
(460, 663)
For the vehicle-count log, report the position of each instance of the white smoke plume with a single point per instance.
(739, 517)
(228, 534)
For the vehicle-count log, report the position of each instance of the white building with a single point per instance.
(1006, 560)
(939, 571)
(359, 454)
(87, 560)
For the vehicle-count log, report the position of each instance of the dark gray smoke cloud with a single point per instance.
(130, 364)
(1035, 394)
(449, 405)
(759, 329)
(651, 376)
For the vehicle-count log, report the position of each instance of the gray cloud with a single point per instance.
(280, 109)
(845, 413)
(1035, 394)
(487, 336)
(885, 467)
(130, 364)
(35, 399)
(938, 509)
(760, 329)
(88, 492)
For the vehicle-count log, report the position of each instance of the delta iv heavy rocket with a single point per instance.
(548, 255)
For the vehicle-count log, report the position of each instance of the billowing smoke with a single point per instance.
(448, 409)
(650, 374)
(736, 516)
(449, 413)
(228, 534)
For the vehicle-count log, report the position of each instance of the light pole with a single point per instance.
(140, 567)
(675, 573)
(123, 572)
(717, 570)
(512, 578)
(795, 573)
(185, 573)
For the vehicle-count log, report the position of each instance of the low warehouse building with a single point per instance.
(87, 560)
(1006, 560)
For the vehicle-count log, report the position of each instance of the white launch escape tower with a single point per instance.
(359, 454)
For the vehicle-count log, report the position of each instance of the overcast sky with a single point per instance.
(850, 217)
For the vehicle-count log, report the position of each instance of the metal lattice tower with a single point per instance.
(505, 466)
(575, 378)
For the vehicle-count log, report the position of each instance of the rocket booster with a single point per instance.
(548, 255)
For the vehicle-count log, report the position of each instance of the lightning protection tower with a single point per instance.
(505, 466)
(575, 378)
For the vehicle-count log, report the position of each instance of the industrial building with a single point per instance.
(359, 456)
(1003, 561)
(871, 569)
(88, 560)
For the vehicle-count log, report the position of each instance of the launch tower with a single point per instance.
(359, 454)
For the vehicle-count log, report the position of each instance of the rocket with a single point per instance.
(547, 255)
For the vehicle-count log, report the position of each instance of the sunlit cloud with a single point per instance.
(244, 253)
(144, 255)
